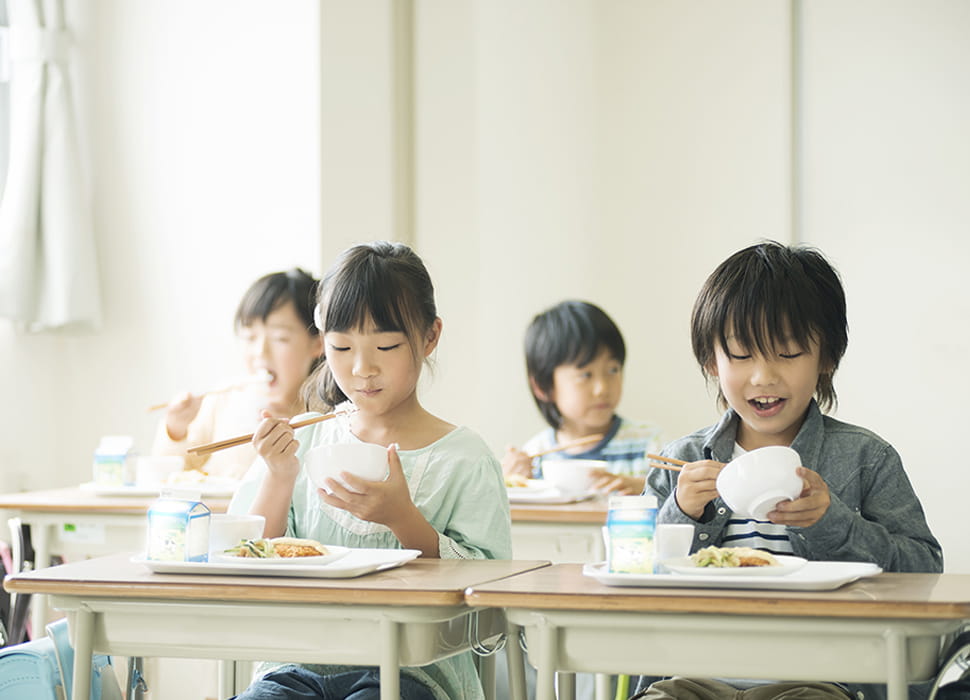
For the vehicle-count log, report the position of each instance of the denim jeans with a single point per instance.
(677, 688)
(298, 683)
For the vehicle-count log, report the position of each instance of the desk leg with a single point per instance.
(227, 678)
(83, 646)
(896, 686)
(603, 686)
(546, 663)
(486, 673)
(567, 686)
(40, 536)
(515, 660)
(390, 661)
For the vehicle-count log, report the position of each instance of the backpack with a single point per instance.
(43, 669)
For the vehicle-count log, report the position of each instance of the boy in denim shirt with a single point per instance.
(769, 326)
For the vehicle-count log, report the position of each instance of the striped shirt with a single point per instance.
(623, 448)
(759, 534)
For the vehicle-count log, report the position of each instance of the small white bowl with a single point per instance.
(362, 459)
(227, 530)
(155, 470)
(754, 483)
(572, 476)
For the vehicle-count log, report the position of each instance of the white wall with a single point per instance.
(609, 150)
(619, 151)
(201, 126)
(579, 161)
(887, 177)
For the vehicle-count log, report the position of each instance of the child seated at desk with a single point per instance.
(274, 323)
(444, 493)
(769, 326)
(574, 355)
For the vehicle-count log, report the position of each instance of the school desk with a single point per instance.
(883, 629)
(102, 524)
(411, 615)
(107, 524)
(570, 533)
(565, 534)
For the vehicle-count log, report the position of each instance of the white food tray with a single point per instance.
(538, 493)
(814, 576)
(222, 487)
(356, 562)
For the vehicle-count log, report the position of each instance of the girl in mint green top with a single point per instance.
(444, 494)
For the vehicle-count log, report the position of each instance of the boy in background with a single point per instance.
(574, 356)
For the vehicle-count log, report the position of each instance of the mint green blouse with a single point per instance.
(456, 483)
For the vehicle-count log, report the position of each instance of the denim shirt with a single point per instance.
(874, 514)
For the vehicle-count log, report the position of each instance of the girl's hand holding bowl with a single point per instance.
(384, 500)
(361, 459)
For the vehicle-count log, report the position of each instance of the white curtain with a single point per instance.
(48, 261)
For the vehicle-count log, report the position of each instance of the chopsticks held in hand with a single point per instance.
(258, 378)
(674, 465)
(670, 463)
(588, 440)
(243, 439)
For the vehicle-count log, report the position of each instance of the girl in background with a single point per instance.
(274, 324)
(444, 493)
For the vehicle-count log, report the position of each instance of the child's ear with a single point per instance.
(539, 393)
(432, 338)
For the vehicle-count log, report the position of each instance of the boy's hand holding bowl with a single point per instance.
(754, 483)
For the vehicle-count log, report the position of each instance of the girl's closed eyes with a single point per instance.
(382, 345)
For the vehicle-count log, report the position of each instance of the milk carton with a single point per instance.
(114, 461)
(178, 528)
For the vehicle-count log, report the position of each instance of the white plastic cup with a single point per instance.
(672, 540)
(227, 530)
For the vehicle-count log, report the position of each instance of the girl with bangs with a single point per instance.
(444, 494)
(769, 328)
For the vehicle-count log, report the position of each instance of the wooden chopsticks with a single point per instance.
(674, 465)
(588, 440)
(243, 439)
(670, 463)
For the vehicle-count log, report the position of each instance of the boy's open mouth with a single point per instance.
(766, 406)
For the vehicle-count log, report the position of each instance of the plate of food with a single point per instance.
(276, 551)
(813, 576)
(538, 491)
(734, 561)
(350, 564)
(190, 480)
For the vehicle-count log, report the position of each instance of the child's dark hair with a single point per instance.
(766, 293)
(383, 281)
(569, 333)
(271, 291)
